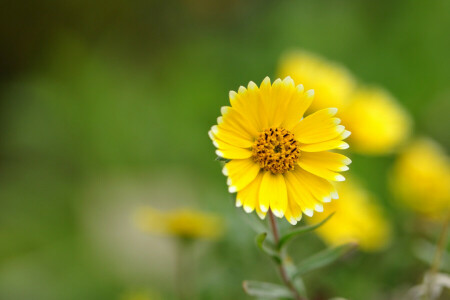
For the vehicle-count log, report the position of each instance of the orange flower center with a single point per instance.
(276, 150)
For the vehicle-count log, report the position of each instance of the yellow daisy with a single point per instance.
(357, 218)
(278, 159)
(184, 223)
(421, 178)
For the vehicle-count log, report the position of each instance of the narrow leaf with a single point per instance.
(266, 289)
(324, 258)
(269, 250)
(305, 229)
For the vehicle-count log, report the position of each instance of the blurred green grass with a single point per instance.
(128, 90)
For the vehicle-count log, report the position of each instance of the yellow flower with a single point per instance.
(183, 223)
(377, 122)
(140, 295)
(357, 218)
(332, 82)
(421, 178)
(278, 159)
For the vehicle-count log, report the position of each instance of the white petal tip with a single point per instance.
(219, 120)
(326, 199)
(224, 110)
(344, 168)
(225, 171)
(345, 134)
(238, 203)
(288, 81)
(344, 145)
(339, 178)
(242, 90)
(210, 134)
(248, 209)
(261, 215)
(300, 88)
(252, 85)
(319, 208)
(332, 111)
(278, 213)
(310, 93)
(334, 195)
(219, 153)
(266, 81)
(232, 189)
(347, 161)
(232, 95)
(309, 212)
(228, 181)
(293, 221)
(215, 129)
(263, 208)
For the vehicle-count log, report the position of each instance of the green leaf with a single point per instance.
(266, 248)
(305, 229)
(323, 258)
(266, 289)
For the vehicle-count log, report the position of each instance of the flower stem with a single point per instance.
(281, 267)
(437, 257)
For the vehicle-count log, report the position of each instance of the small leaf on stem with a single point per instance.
(305, 229)
(266, 289)
(324, 258)
(269, 250)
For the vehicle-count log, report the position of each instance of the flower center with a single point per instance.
(276, 150)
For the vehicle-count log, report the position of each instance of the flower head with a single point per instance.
(377, 122)
(357, 218)
(278, 159)
(184, 223)
(421, 178)
(332, 82)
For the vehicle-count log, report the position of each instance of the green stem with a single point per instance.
(281, 267)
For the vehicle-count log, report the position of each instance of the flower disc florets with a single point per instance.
(276, 150)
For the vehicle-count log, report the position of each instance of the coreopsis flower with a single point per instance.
(279, 159)
(184, 223)
(357, 218)
(421, 178)
(332, 82)
(378, 123)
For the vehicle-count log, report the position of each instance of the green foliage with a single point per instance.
(266, 290)
(323, 258)
(267, 248)
(299, 231)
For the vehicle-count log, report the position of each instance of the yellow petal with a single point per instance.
(233, 120)
(317, 169)
(320, 188)
(228, 151)
(329, 160)
(318, 127)
(300, 193)
(299, 103)
(230, 137)
(323, 146)
(240, 173)
(248, 196)
(273, 194)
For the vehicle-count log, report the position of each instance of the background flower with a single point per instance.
(421, 178)
(357, 218)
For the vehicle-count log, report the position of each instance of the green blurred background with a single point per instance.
(105, 107)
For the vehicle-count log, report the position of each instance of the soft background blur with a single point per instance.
(105, 107)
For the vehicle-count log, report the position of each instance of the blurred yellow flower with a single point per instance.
(278, 159)
(421, 178)
(332, 82)
(377, 122)
(184, 223)
(357, 219)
